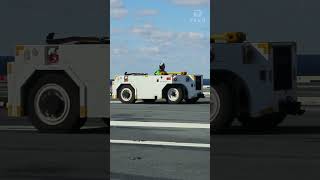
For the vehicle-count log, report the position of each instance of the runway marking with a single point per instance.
(308, 86)
(17, 128)
(309, 100)
(115, 102)
(128, 142)
(158, 111)
(123, 124)
(159, 124)
(119, 102)
(307, 79)
(31, 128)
(160, 143)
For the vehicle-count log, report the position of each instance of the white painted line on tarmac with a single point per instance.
(115, 102)
(307, 79)
(17, 128)
(123, 124)
(159, 124)
(309, 100)
(160, 143)
(308, 86)
(31, 128)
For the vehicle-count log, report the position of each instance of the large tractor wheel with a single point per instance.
(54, 104)
(221, 109)
(106, 121)
(127, 94)
(265, 122)
(174, 95)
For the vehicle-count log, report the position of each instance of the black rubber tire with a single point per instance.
(149, 101)
(192, 100)
(72, 122)
(106, 121)
(225, 116)
(266, 122)
(82, 122)
(132, 99)
(180, 98)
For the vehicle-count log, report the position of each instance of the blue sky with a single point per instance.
(145, 33)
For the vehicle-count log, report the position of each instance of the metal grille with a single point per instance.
(3, 91)
(198, 82)
(282, 67)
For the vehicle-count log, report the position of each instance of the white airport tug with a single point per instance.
(61, 84)
(253, 82)
(174, 87)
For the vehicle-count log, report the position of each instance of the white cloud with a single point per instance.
(190, 35)
(149, 50)
(162, 38)
(119, 51)
(148, 12)
(153, 45)
(153, 35)
(191, 2)
(117, 30)
(144, 30)
(118, 10)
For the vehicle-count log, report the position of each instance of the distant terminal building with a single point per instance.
(308, 65)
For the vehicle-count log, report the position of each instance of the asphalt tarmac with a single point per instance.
(180, 150)
(27, 154)
(291, 151)
(172, 142)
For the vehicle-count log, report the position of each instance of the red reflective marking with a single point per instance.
(53, 58)
(3, 78)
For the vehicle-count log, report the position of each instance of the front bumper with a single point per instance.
(290, 106)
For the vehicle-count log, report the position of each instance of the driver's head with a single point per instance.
(162, 66)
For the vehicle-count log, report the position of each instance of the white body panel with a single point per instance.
(230, 57)
(151, 86)
(86, 65)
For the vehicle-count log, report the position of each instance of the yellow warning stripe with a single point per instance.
(265, 47)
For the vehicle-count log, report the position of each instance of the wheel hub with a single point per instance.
(52, 104)
(126, 94)
(173, 94)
